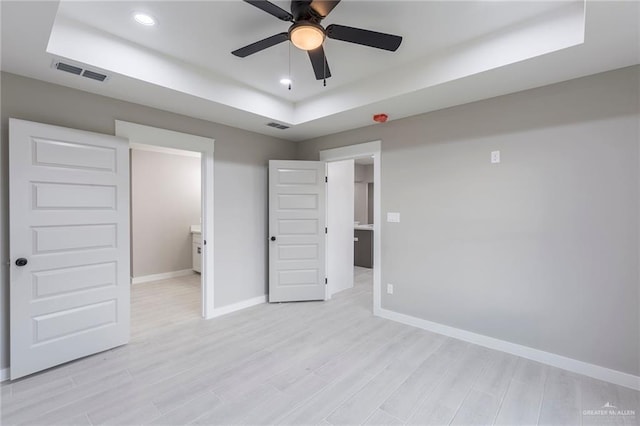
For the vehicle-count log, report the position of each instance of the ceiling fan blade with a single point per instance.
(323, 7)
(261, 45)
(319, 63)
(364, 37)
(271, 9)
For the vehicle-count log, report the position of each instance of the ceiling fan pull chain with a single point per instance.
(324, 66)
(290, 79)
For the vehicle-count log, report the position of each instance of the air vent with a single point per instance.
(78, 70)
(68, 68)
(277, 126)
(94, 75)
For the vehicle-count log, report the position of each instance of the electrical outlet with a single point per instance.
(495, 157)
(389, 288)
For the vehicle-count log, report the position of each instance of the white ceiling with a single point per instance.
(453, 52)
(217, 28)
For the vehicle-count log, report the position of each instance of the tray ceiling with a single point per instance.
(452, 53)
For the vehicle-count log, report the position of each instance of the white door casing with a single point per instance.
(340, 214)
(146, 137)
(370, 149)
(69, 218)
(297, 221)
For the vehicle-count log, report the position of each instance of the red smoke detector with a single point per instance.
(380, 118)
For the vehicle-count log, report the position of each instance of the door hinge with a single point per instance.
(205, 242)
(326, 281)
(326, 178)
(325, 230)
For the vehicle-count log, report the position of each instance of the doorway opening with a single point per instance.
(165, 217)
(363, 221)
(365, 206)
(161, 141)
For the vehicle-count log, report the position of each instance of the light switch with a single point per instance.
(495, 157)
(389, 288)
(393, 217)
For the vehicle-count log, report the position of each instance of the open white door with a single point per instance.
(297, 198)
(340, 192)
(69, 244)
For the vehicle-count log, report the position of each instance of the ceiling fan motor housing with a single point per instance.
(302, 11)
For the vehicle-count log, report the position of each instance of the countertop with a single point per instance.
(363, 227)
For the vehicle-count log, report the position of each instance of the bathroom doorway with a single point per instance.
(166, 204)
(157, 140)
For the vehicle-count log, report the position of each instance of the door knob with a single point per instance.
(273, 238)
(21, 261)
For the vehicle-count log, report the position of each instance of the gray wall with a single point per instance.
(360, 203)
(541, 249)
(363, 174)
(165, 202)
(240, 192)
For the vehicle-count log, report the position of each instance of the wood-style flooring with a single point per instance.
(158, 304)
(305, 363)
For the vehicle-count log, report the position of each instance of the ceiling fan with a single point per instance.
(306, 33)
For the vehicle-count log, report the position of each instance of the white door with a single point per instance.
(297, 198)
(340, 213)
(69, 244)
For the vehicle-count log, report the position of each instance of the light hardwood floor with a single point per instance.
(306, 363)
(158, 304)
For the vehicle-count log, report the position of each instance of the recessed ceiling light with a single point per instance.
(144, 19)
(285, 81)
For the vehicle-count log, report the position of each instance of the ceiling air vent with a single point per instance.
(94, 75)
(68, 68)
(277, 126)
(78, 70)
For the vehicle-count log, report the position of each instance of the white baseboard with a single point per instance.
(4, 374)
(554, 360)
(224, 310)
(163, 276)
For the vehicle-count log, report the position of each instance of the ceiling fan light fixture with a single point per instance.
(306, 35)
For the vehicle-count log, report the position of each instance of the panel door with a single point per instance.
(340, 213)
(69, 244)
(297, 221)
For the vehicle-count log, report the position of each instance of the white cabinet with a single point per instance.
(197, 251)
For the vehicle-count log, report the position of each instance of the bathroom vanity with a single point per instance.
(196, 247)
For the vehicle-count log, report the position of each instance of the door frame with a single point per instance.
(139, 134)
(358, 151)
